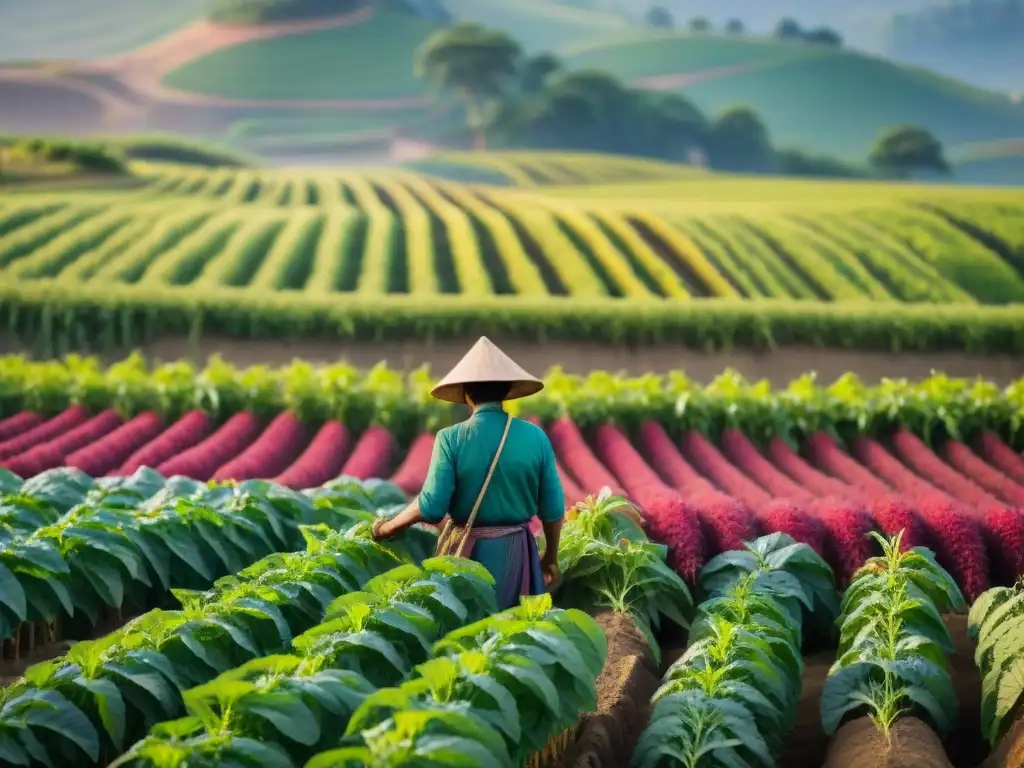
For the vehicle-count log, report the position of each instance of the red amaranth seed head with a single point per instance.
(726, 522)
(959, 544)
(847, 544)
(1003, 528)
(675, 524)
(785, 516)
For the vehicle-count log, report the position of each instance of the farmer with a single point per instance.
(490, 475)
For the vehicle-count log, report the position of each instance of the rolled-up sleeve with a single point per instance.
(552, 496)
(436, 495)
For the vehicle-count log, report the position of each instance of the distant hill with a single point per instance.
(816, 98)
(347, 79)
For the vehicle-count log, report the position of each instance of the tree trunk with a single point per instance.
(480, 140)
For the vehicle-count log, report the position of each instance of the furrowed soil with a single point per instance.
(1009, 752)
(630, 676)
(859, 744)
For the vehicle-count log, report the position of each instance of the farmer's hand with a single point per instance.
(549, 568)
(381, 530)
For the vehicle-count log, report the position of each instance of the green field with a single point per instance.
(660, 246)
(86, 29)
(371, 60)
(820, 100)
(817, 99)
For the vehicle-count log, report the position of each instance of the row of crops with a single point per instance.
(538, 169)
(711, 466)
(277, 632)
(333, 650)
(402, 233)
(733, 696)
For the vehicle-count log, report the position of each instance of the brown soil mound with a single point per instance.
(858, 744)
(1009, 752)
(608, 736)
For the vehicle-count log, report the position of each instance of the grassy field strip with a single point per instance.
(844, 260)
(806, 261)
(497, 162)
(339, 253)
(19, 213)
(757, 249)
(567, 262)
(183, 250)
(244, 189)
(40, 231)
(421, 256)
(290, 259)
(243, 252)
(605, 253)
(470, 269)
(671, 284)
(129, 265)
(523, 273)
(690, 256)
(125, 239)
(726, 262)
(1002, 223)
(71, 244)
(328, 190)
(958, 258)
(763, 265)
(183, 262)
(906, 283)
(881, 240)
(382, 238)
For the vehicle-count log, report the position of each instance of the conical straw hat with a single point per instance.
(485, 362)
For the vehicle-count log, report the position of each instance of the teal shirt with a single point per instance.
(525, 482)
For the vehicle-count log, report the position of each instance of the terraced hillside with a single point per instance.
(283, 246)
(389, 232)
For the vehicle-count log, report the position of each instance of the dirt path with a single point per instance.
(579, 357)
(672, 82)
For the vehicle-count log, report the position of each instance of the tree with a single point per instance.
(788, 29)
(734, 27)
(659, 17)
(903, 149)
(537, 70)
(739, 142)
(473, 62)
(669, 126)
(824, 36)
(699, 24)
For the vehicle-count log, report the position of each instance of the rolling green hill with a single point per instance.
(818, 99)
(370, 60)
(85, 29)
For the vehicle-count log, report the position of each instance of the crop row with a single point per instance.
(74, 550)
(732, 697)
(272, 664)
(699, 496)
(402, 233)
(936, 409)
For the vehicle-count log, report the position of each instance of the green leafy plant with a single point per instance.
(996, 622)
(791, 570)
(607, 562)
(120, 685)
(893, 643)
(732, 697)
(493, 691)
(297, 704)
